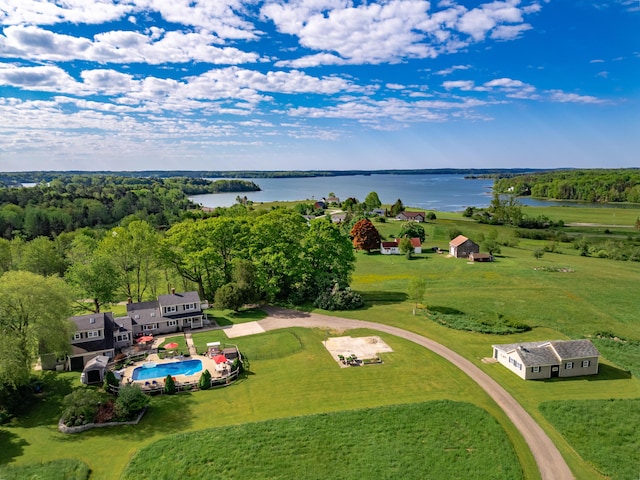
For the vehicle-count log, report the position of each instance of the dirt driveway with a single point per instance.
(550, 463)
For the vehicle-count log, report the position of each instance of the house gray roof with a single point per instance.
(575, 349)
(143, 313)
(179, 299)
(92, 321)
(550, 352)
(122, 324)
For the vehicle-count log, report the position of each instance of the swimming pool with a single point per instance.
(161, 370)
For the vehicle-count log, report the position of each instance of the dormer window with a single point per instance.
(92, 320)
(77, 336)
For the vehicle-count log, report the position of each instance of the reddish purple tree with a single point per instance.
(365, 236)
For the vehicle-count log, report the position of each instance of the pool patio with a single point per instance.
(218, 372)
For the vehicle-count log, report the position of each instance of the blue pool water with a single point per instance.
(185, 367)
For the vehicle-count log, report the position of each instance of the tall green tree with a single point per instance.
(406, 247)
(372, 201)
(34, 319)
(42, 256)
(329, 257)
(133, 251)
(203, 251)
(413, 230)
(396, 208)
(277, 251)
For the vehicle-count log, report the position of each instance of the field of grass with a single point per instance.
(436, 440)
(291, 374)
(590, 424)
(55, 470)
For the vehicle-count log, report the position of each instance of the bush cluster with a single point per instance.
(339, 300)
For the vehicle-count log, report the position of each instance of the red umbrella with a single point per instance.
(171, 346)
(220, 359)
(145, 339)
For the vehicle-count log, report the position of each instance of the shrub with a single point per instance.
(205, 380)
(80, 407)
(131, 399)
(453, 233)
(339, 300)
(169, 385)
(431, 216)
(110, 380)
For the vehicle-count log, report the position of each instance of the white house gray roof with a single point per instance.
(144, 313)
(553, 352)
(179, 299)
(574, 349)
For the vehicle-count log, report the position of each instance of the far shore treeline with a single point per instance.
(18, 178)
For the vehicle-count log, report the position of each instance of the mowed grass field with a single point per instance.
(292, 375)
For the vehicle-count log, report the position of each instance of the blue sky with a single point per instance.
(318, 84)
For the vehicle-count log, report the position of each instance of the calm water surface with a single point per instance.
(432, 192)
(445, 193)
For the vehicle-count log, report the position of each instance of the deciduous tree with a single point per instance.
(372, 201)
(413, 230)
(365, 236)
(34, 319)
(416, 289)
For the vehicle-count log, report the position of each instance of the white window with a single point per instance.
(535, 369)
(170, 309)
(190, 306)
(151, 326)
(187, 320)
(586, 363)
(172, 323)
(122, 338)
(568, 365)
(93, 333)
(77, 336)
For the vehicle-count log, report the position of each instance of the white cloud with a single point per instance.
(390, 31)
(563, 97)
(48, 12)
(450, 70)
(156, 47)
(464, 85)
(42, 78)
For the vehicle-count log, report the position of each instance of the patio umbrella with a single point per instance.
(171, 346)
(220, 359)
(145, 339)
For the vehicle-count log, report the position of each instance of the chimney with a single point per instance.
(173, 291)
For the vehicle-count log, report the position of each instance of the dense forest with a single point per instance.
(597, 185)
(69, 202)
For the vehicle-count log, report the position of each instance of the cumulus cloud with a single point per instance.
(391, 31)
(156, 47)
(450, 70)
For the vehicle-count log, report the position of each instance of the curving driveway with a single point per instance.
(550, 463)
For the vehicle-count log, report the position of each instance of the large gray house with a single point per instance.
(100, 334)
(547, 359)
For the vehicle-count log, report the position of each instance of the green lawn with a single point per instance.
(589, 424)
(436, 440)
(291, 374)
(55, 470)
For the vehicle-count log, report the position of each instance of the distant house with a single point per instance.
(417, 245)
(338, 217)
(332, 199)
(393, 248)
(481, 257)
(390, 248)
(319, 205)
(462, 247)
(548, 359)
(411, 216)
(380, 212)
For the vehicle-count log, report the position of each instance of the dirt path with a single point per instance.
(550, 463)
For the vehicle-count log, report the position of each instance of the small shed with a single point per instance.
(94, 370)
(481, 257)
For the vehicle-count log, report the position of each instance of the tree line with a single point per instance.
(69, 202)
(593, 185)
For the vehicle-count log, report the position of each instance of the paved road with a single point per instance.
(550, 463)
